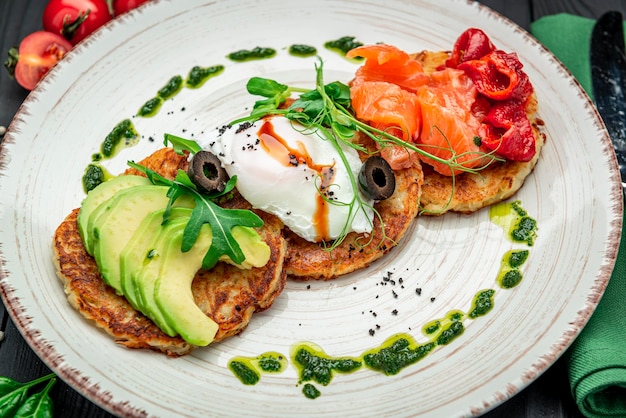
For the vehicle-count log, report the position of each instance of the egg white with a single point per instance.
(291, 192)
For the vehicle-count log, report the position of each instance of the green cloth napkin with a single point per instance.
(597, 359)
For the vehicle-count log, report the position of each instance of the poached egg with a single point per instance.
(298, 177)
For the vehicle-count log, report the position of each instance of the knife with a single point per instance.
(608, 79)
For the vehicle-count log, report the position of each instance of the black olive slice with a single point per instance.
(376, 178)
(207, 173)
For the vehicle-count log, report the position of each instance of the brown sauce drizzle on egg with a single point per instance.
(278, 148)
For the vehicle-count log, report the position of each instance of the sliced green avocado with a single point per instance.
(256, 250)
(115, 226)
(133, 255)
(99, 195)
(145, 273)
(172, 288)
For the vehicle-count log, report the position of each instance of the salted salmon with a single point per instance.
(449, 127)
(387, 107)
(389, 63)
(392, 92)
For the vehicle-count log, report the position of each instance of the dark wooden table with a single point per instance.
(548, 396)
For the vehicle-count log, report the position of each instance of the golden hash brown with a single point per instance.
(307, 260)
(227, 294)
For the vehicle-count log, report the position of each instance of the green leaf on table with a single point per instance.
(14, 394)
(38, 405)
(8, 385)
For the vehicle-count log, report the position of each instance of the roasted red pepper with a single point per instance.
(507, 131)
(473, 44)
(499, 76)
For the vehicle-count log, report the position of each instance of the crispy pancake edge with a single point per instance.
(248, 291)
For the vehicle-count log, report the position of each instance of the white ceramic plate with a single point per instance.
(573, 194)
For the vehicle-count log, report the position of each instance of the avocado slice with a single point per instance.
(145, 272)
(256, 250)
(172, 288)
(134, 252)
(117, 223)
(100, 194)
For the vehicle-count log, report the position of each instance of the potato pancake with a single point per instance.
(308, 260)
(226, 294)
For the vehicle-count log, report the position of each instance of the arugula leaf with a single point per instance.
(181, 144)
(220, 219)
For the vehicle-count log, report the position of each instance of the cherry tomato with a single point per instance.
(37, 53)
(123, 6)
(75, 19)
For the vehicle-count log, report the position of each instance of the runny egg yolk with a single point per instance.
(301, 178)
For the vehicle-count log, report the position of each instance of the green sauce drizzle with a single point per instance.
(173, 86)
(310, 391)
(300, 50)
(314, 364)
(150, 107)
(122, 135)
(199, 75)
(515, 221)
(515, 258)
(343, 45)
(249, 369)
(244, 373)
(482, 303)
(396, 353)
(93, 176)
(169, 90)
(251, 54)
(510, 274)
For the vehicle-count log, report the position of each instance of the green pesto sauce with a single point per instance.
(249, 369)
(515, 221)
(246, 374)
(122, 135)
(310, 391)
(482, 303)
(313, 364)
(173, 86)
(434, 328)
(300, 50)
(150, 108)
(343, 45)
(510, 274)
(396, 353)
(508, 279)
(251, 54)
(525, 231)
(515, 258)
(199, 75)
(94, 175)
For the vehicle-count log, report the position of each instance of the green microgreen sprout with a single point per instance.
(221, 220)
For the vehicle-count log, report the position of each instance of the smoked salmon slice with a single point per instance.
(391, 64)
(392, 92)
(448, 123)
